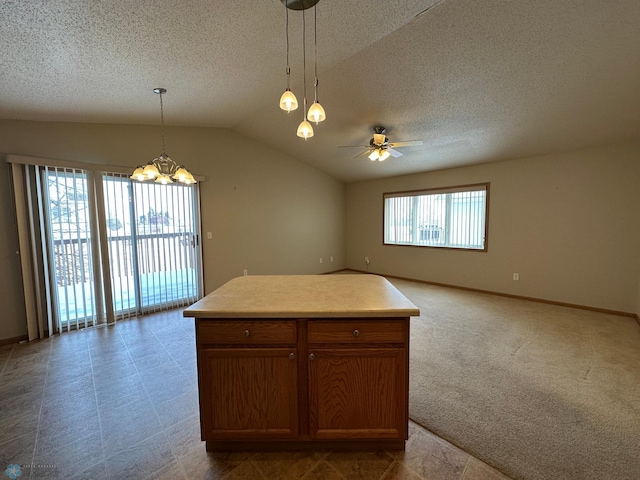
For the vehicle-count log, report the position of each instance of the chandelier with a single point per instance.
(162, 169)
(288, 100)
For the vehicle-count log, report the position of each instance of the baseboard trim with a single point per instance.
(509, 295)
(9, 341)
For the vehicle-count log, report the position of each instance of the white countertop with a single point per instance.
(304, 296)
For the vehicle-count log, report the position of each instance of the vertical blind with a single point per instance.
(153, 242)
(66, 217)
(454, 217)
(101, 247)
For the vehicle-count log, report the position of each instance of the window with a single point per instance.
(451, 217)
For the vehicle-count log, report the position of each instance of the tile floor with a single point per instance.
(121, 403)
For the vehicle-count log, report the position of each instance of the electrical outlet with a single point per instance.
(366, 260)
(244, 272)
(331, 259)
(209, 235)
(516, 276)
(321, 260)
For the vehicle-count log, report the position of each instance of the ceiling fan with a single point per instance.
(380, 148)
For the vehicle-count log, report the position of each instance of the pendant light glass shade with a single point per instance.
(316, 113)
(305, 130)
(162, 169)
(374, 155)
(138, 173)
(163, 179)
(288, 101)
(384, 155)
(150, 171)
(184, 176)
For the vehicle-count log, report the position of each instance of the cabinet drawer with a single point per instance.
(247, 332)
(357, 331)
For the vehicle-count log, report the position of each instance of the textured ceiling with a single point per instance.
(476, 81)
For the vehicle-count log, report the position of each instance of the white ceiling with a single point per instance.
(477, 81)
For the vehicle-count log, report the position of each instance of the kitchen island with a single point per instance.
(304, 362)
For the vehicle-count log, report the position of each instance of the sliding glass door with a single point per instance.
(152, 233)
(117, 248)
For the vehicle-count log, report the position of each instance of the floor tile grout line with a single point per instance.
(466, 466)
(153, 404)
(41, 399)
(389, 468)
(335, 469)
(301, 475)
(411, 440)
(95, 392)
(6, 360)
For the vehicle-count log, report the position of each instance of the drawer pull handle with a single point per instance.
(356, 333)
(292, 356)
(312, 357)
(246, 333)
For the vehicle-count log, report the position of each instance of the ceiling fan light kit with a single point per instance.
(380, 148)
(379, 154)
(288, 100)
(162, 169)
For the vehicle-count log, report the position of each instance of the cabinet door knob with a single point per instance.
(292, 356)
(246, 333)
(356, 333)
(312, 356)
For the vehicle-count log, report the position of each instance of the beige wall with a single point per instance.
(569, 224)
(638, 303)
(268, 213)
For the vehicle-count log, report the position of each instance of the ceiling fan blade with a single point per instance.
(362, 153)
(394, 153)
(353, 146)
(412, 143)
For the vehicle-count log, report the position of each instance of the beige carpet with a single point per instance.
(538, 391)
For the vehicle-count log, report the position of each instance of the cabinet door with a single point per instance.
(248, 393)
(358, 393)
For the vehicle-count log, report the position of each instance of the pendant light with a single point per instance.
(162, 169)
(305, 130)
(288, 100)
(316, 112)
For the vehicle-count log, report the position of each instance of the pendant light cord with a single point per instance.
(315, 49)
(286, 9)
(304, 64)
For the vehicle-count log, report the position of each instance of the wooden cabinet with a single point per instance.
(247, 373)
(358, 379)
(248, 393)
(305, 381)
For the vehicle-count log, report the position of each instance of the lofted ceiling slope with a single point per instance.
(475, 81)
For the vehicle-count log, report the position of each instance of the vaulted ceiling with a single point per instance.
(476, 81)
